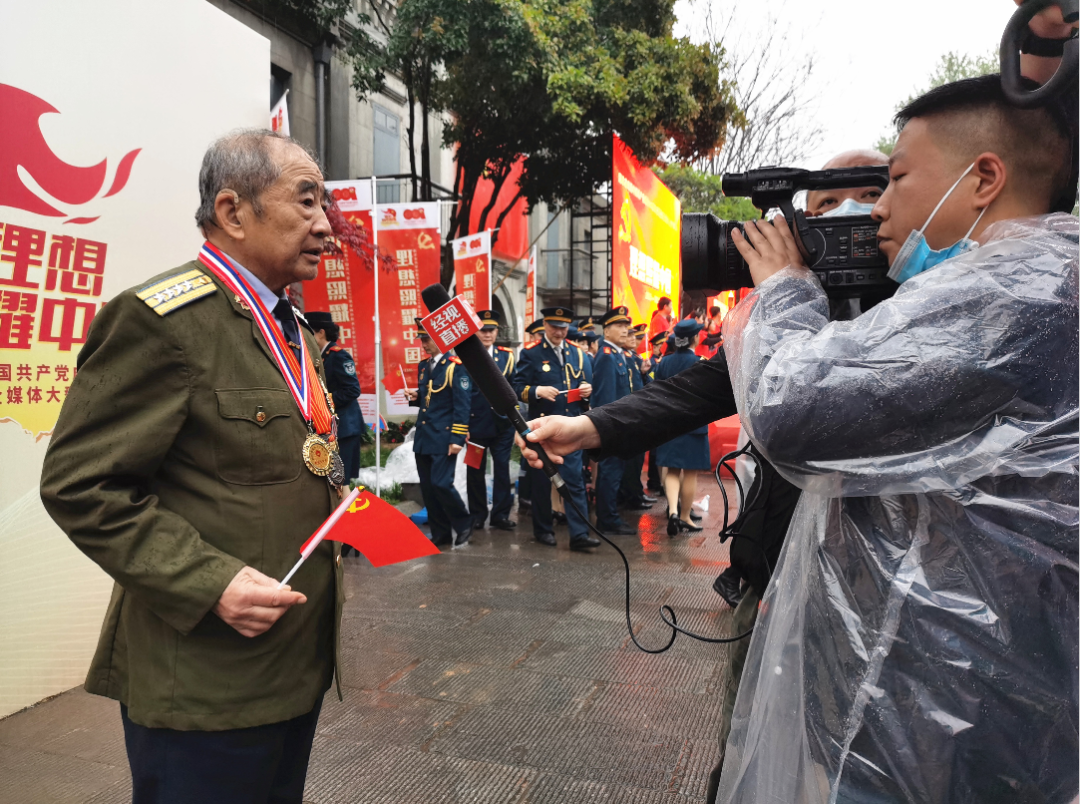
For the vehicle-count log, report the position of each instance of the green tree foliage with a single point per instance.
(548, 82)
(951, 67)
(700, 191)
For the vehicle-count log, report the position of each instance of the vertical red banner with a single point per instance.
(409, 235)
(646, 231)
(345, 282)
(530, 289)
(472, 269)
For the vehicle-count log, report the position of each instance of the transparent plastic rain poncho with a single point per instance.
(918, 641)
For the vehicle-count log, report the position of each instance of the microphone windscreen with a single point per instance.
(476, 359)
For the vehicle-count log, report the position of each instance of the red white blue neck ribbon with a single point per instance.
(299, 376)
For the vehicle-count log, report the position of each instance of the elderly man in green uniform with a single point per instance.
(194, 455)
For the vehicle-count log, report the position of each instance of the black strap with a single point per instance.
(1041, 46)
(283, 312)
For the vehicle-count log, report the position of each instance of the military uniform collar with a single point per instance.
(266, 296)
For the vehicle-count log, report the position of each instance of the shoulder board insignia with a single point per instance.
(175, 291)
(455, 359)
(336, 348)
(533, 345)
(607, 350)
(504, 349)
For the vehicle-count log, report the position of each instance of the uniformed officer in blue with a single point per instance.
(631, 494)
(546, 371)
(494, 433)
(343, 385)
(611, 381)
(444, 395)
(533, 333)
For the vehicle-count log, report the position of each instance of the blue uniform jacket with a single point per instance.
(484, 423)
(540, 366)
(611, 374)
(637, 376)
(672, 364)
(343, 386)
(445, 395)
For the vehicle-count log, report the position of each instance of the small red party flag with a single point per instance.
(474, 455)
(394, 380)
(573, 395)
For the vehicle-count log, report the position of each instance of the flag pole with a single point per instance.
(320, 534)
(378, 331)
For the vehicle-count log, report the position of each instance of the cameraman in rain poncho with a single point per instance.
(919, 639)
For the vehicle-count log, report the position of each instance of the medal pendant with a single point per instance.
(336, 475)
(317, 456)
(546, 367)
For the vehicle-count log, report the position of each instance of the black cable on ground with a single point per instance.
(728, 531)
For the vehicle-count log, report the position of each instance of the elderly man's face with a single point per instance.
(616, 333)
(555, 334)
(429, 345)
(284, 244)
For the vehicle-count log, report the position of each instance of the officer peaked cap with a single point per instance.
(489, 319)
(616, 315)
(559, 316)
(318, 319)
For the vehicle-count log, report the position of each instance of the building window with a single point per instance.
(387, 150)
(279, 82)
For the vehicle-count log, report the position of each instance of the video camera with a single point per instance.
(841, 250)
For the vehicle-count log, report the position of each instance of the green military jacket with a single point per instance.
(177, 460)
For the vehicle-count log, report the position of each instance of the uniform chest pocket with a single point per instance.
(260, 437)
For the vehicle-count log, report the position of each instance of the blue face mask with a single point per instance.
(915, 256)
(849, 206)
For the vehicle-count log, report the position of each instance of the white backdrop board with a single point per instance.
(144, 87)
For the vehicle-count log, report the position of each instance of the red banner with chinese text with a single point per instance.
(409, 234)
(472, 269)
(345, 285)
(645, 238)
(531, 313)
(50, 291)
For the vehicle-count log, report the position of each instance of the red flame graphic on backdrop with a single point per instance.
(22, 143)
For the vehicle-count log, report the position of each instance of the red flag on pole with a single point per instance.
(394, 380)
(573, 395)
(474, 455)
(378, 530)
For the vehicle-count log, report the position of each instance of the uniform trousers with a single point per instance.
(570, 471)
(630, 488)
(654, 473)
(444, 506)
(258, 765)
(349, 447)
(609, 474)
(501, 497)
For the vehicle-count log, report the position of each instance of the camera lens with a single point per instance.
(710, 261)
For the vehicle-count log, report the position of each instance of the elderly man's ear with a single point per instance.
(229, 214)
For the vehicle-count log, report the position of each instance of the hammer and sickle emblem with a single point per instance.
(355, 509)
(423, 240)
(480, 267)
(624, 221)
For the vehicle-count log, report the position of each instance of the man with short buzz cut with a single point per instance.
(918, 639)
(194, 455)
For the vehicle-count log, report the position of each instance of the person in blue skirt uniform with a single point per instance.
(682, 458)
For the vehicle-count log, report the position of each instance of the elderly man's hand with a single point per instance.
(251, 603)
(453, 449)
(585, 389)
(548, 392)
(768, 248)
(560, 435)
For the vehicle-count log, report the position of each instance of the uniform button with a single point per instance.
(260, 416)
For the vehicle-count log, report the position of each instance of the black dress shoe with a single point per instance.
(442, 541)
(545, 538)
(729, 589)
(635, 505)
(649, 499)
(584, 543)
(503, 524)
(686, 527)
(672, 525)
(463, 538)
(618, 529)
(559, 517)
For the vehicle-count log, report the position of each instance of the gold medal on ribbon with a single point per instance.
(546, 367)
(317, 455)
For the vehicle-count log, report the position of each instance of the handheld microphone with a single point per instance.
(490, 381)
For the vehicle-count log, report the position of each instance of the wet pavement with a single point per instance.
(500, 672)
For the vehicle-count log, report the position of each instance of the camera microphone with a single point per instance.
(490, 380)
